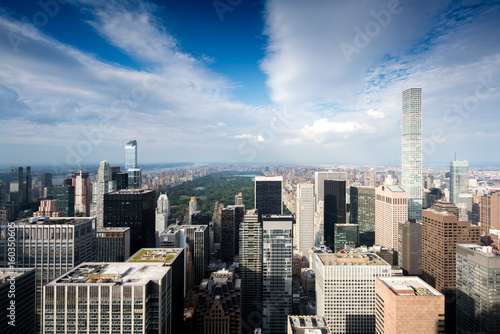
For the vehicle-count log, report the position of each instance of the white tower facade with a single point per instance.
(102, 185)
(391, 208)
(412, 150)
(162, 214)
(305, 217)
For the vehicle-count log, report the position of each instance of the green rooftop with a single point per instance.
(154, 255)
(395, 189)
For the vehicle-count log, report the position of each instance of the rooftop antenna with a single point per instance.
(455, 156)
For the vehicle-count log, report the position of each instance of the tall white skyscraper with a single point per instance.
(459, 180)
(162, 213)
(412, 150)
(391, 208)
(305, 217)
(102, 185)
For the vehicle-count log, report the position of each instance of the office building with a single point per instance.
(408, 305)
(319, 183)
(334, 208)
(81, 184)
(100, 297)
(112, 244)
(200, 218)
(299, 324)
(345, 233)
(51, 246)
(410, 247)
(46, 180)
(162, 214)
(3, 194)
(219, 304)
(411, 134)
(441, 232)
(65, 197)
(277, 258)
(238, 199)
(194, 239)
(193, 207)
(305, 217)
(134, 208)
(175, 259)
(362, 210)
(131, 168)
(231, 218)
(391, 208)
(345, 290)
(478, 289)
(251, 271)
(459, 180)
(49, 208)
(489, 211)
(20, 184)
(17, 302)
(102, 185)
(268, 195)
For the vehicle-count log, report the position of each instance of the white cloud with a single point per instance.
(375, 114)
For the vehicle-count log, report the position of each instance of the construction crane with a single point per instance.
(79, 165)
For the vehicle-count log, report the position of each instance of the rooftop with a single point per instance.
(346, 259)
(483, 250)
(175, 228)
(162, 255)
(7, 273)
(53, 220)
(308, 325)
(409, 286)
(112, 229)
(131, 191)
(113, 273)
(395, 188)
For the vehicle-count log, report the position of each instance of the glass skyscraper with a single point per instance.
(412, 150)
(459, 180)
(268, 195)
(131, 155)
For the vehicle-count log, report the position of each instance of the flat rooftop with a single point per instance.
(161, 255)
(113, 273)
(112, 229)
(53, 220)
(131, 191)
(7, 273)
(346, 259)
(269, 178)
(483, 250)
(409, 286)
(395, 189)
(308, 324)
(175, 228)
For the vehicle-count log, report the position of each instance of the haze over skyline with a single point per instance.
(271, 81)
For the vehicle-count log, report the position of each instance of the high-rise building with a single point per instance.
(116, 297)
(299, 324)
(345, 290)
(478, 293)
(219, 304)
(362, 210)
(133, 171)
(46, 180)
(200, 218)
(49, 208)
(391, 208)
(134, 208)
(238, 199)
(81, 183)
(231, 218)
(459, 180)
(175, 259)
(251, 271)
(3, 194)
(411, 134)
(102, 185)
(345, 233)
(17, 305)
(489, 211)
(51, 246)
(20, 184)
(193, 207)
(162, 214)
(441, 232)
(112, 244)
(65, 197)
(319, 183)
(408, 305)
(268, 195)
(305, 217)
(193, 238)
(334, 207)
(277, 259)
(410, 247)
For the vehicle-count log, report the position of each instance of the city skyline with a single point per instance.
(245, 82)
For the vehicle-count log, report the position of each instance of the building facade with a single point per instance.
(345, 233)
(459, 180)
(102, 185)
(334, 208)
(478, 289)
(410, 247)
(391, 208)
(65, 197)
(268, 195)
(411, 134)
(112, 244)
(305, 217)
(81, 184)
(362, 210)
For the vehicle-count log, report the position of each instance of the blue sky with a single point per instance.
(236, 80)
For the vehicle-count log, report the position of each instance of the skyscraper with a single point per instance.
(162, 214)
(20, 184)
(441, 232)
(334, 208)
(345, 233)
(268, 195)
(305, 217)
(193, 207)
(490, 211)
(319, 183)
(478, 293)
(135, 209)
(65, 197)
(363, 213)
(391, 208)
(100, 187)
(277, 259)
(81, 184)
(345, 290)
(251, 271)
(459, 180)
(134, 172)
(412, 150)
(410, 247)
(112, 244)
